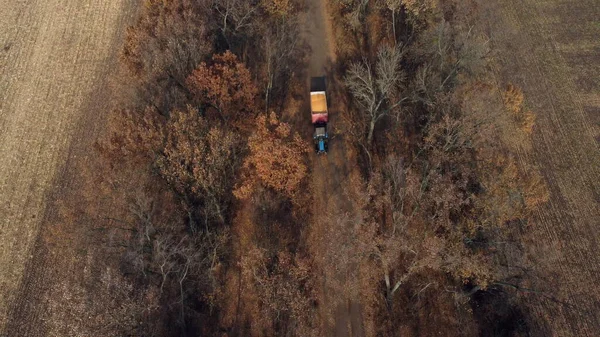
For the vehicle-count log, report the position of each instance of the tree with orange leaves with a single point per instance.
(276, 158)
(225, 86)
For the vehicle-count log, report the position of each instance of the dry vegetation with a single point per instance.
(549, 50)
(55, 57)
(195, 154)
(203, 213)
(441, 199)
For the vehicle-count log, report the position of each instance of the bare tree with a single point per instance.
(281, 47)
(285, 286)
(394, 6)
(377, 91)
(168, 41)
(403, 246)
(355, 12)
(235, 18)
(164, 252)
(448, 51)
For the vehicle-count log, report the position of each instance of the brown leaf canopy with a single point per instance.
(276, 158)
(199, 161)
(168, 41)
(224, 86)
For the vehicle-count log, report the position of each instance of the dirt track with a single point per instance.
(53, 56)
(550, 49)
(340, 310)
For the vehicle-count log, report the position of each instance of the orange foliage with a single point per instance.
(513, 98)
(134, 134)
(511, 189)
(499, 177)
(513, 101)
(526, 121)
(276, 158)
(226, 85)
(535, 190)
(278, 8)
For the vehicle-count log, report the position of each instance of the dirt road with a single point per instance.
(550, 49)
(331, 233)
(319, 36)
(53, 55)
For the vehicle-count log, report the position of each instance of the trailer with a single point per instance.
(319, 114)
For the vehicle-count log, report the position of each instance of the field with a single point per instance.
(54, 60)
(551, 49)
(58, 62)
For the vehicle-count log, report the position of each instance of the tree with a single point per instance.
(468, 158)
(377, 91)
(200, 162)
(443, 52)
(418, 7)
(278, 8)
(225, 86)
(276, 158)
(406, 242)
(236, 21)
(513, 101)
(282, 49)
(179, 264)
(394, 6)
(168, 41)
(285, 289)
(355, 12)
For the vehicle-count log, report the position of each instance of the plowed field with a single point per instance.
(552, 50)
(54, 59)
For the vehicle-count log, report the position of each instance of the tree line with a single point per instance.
(198, 144)
(444, 199)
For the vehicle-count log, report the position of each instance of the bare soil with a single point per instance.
(552, 50)
(55, 57)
